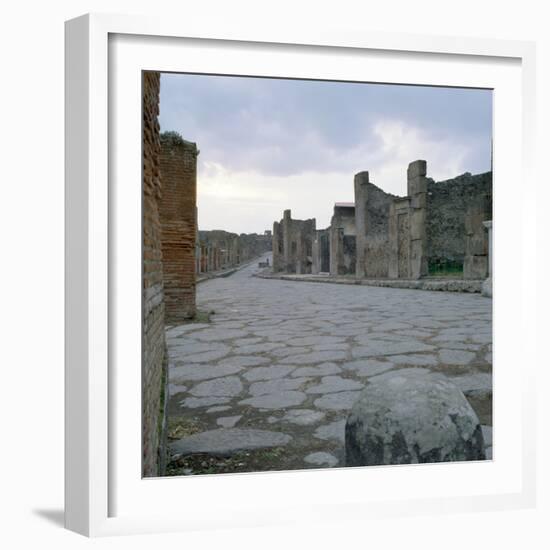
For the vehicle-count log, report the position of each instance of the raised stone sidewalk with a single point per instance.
(431, 283)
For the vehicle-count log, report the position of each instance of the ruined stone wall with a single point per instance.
(343, 241)
(376, 240)
(277, 247)
(321, 252)
(178, 166)
(447, 205)
(293, 244)
(407, 244)
(381, 235)
(372, 206)
(154, 353)
(476, 251)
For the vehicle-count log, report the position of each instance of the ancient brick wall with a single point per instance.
(178, 215)
(154, 354)
(447, 205)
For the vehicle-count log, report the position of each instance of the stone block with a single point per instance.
(417, 169)
(412, 417)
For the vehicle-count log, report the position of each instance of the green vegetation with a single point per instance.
(445, 268)
(245, 461)
(171, 137)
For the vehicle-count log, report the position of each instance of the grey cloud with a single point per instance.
(287, 127)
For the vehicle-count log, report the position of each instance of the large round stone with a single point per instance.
(412, 417)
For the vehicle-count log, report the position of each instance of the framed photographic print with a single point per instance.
(285, 294)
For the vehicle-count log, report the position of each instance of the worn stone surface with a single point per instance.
(456, 357)
(368, 367)
(268, 373)
(227, 386)
(228, 421)
(337, 401)
(476, 384)
(321, 459)
(303, 417)
(323, 369)
(334, 430)
(280, 400)
(276, 386)
(195, 402)
(330, 384)
(413, 359)
(409, 417)
(225, 442)
(201, 372)
(315, 357)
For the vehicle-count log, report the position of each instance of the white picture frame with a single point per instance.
(105, 55)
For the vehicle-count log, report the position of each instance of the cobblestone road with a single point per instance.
(282, 362)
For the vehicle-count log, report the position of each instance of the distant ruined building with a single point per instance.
(219, 250)
(437, 228)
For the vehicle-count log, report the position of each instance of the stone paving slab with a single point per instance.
(225, 442)
(321, 459)
(279, 400)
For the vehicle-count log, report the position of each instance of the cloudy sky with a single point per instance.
(271, 144)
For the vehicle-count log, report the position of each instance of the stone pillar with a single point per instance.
(336, 250)
(393, 260)
(300, 250)
(399, 239)
(287, 256)
(417, 188)
(275, 244)
(316, 254)
(360, 184)
(475, 265)
(487, 287)
(198, 258)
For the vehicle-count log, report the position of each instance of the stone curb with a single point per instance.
(454, 285)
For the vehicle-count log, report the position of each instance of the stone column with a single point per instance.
(487, 287)
(287, 241)
(300, 249)
(275, 247)
(316, 254)
(417, 188)
(360, 183)
(336, 249)
(393, 260)
(198, 257)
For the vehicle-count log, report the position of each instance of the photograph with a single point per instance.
(316, 274)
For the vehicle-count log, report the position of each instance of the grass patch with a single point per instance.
(200, 317)
(262, 460)
(445, 268)
(179, 427)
